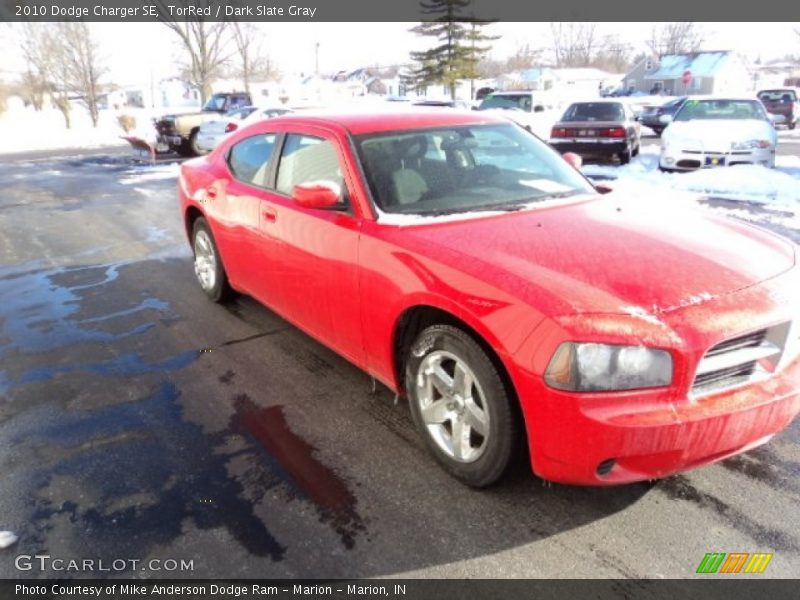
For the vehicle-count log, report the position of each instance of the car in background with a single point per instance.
(532, 110)
(178, 132)
(598, 129)
(650, 116)
(212, 132)
(444, 103)
(716, 132)
(462, 262)
(784, 102)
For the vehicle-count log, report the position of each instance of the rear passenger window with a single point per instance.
(249, 159)
(307, 159)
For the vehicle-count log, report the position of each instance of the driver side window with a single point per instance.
(306, 159)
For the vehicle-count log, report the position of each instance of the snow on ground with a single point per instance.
(779, 187)
(23, 129)
(144, 173)
(7, 539)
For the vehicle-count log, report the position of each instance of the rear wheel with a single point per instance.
(461, 406)
(792, 124)
(194, 149)
(625, 157)
(208, 267)
(635, 151)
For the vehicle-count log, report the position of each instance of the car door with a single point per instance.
(237, 201)
(313, 275)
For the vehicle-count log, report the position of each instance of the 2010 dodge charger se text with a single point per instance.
(462, 262)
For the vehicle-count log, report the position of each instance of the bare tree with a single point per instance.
(44, 53)
(204, 42)
(614, 55)
(675, 38)
(253, 62)
(79, 56)
(573, 44)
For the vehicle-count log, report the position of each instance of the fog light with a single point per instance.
(605, 467)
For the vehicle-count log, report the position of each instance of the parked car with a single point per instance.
(651, 115)
(717, 132)
(533, 110)
(462, 262)
(598, 129)
(446, 103)
(784, 102)
(211, 133)
(179, 132)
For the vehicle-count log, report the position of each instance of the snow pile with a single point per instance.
(23, 129)
(779, 186)
(7, 539)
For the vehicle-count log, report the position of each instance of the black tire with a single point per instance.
(504, 428)
(658, 132)
(625, 157)
(792, 125)
(194, 149)
(635, 151)
(220, 290)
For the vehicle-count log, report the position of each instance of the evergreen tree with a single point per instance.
(460, 47)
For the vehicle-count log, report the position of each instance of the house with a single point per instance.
(582, 81)
(712, 72)
(537, 79)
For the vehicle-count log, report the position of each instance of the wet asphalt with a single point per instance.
(140, 421)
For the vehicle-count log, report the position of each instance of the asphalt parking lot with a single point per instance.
(140, 421)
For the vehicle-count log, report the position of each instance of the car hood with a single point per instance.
(722, 132)
(610, 254)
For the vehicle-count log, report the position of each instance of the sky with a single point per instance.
(135, 52)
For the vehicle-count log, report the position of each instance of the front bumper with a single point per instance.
(657, 442)
(622, 437)
(680, 159)
(590, 147)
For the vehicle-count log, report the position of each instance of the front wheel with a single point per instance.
(207, 264)
(461, 405)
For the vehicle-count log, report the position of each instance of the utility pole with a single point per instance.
(316, 58)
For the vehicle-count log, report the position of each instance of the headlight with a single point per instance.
(604, 367)
(750, 145)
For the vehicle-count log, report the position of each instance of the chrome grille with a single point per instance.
(740, 360)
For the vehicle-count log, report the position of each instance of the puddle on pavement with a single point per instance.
(308, 477)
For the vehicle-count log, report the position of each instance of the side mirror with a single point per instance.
(574, 159)
(665, 119)
(317, 194)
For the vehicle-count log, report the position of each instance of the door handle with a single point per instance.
(270, 214)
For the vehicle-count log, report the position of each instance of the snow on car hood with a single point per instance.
(606, 255)
(718, 133)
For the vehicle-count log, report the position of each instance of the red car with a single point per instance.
(465, 264)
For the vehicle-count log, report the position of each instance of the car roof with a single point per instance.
(361, 122)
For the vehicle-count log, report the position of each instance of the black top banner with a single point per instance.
(393, 10)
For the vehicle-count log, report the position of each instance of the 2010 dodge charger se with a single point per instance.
(462, 262)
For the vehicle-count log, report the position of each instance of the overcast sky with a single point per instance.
(135, 51)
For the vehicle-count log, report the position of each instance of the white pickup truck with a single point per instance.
(535, 111)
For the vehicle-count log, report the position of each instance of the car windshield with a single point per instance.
(594, 111)
(710, 110)
(777, 96)
(464, 168)
(216, 102)
(519, 101)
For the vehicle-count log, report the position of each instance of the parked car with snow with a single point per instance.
(463, 263)
(442, 103)
(535, 111)
(212, 132)
(717, 132)
(784, 102)
(598, 129)
(179, 132)
(651, 114)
